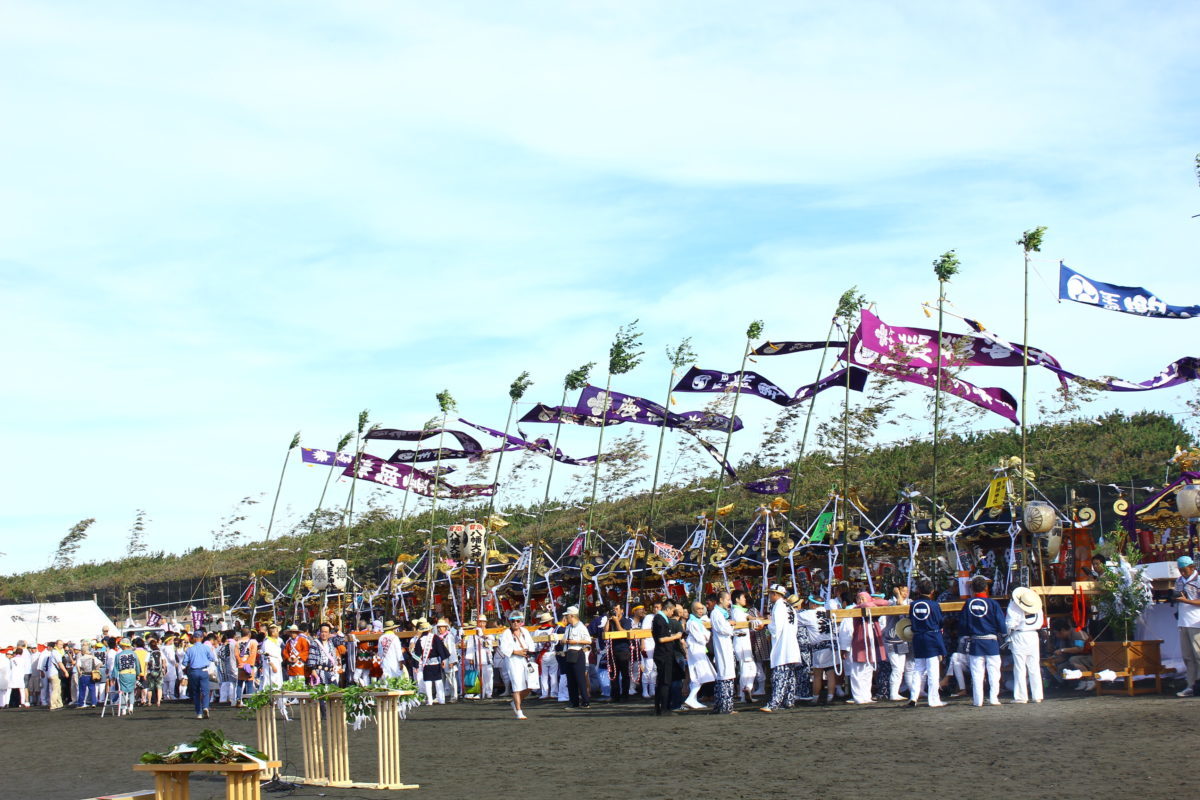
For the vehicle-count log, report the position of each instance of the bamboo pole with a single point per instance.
(279, 488)
(812, 402)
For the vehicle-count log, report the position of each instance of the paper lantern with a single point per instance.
(1039, 516)
(455, 536)
(338, 573)
(474, 548)
(320, 574)
(1187, 500)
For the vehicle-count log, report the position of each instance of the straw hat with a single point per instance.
(794, 600)
(443, 623)
(423, 625)
(545, 616)
(1027, 599)
(778, 589)
(390, 625)
(903, 629)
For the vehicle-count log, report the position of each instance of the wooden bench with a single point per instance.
(171, 781)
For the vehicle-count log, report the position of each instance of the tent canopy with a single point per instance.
(46, 622)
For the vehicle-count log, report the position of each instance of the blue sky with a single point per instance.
(227, 223)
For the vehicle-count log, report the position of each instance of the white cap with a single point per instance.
(778, 588)
(572, 610)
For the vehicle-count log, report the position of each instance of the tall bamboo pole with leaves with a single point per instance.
(945, 267)
(849, 304)
(516, 390)
(754, 331)
(312, 528)
(574, 380)
(812, 402)
(622, 358)
(678, 357)
(359, 446)
(1031, 242)
(287, 457)
(447, 405)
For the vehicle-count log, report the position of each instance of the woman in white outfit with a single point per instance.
(516, 647)
(700, 669)
(743, 654)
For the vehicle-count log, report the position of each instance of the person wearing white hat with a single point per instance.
(1187, 596)
(516, 646)
(743, 653)
(431, 654)
(700, 669)
(478, 656)
(446, 632)
(1024, 619)
(726, 661)
(391, 652)
(785, 651)
(578, 643)
(547, 662)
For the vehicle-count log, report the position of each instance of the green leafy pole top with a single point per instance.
(622, 356)
(577, 378)
(517, 388)
(946, 266)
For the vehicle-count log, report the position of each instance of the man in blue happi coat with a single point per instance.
(982, 622)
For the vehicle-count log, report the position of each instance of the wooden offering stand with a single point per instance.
(241, 779)
(326, 744)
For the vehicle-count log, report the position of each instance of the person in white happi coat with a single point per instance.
(391, 652)
(649, 671)
(21, 666)
(1024, 619)
(547, 662)
(450, 638)
(726, 662)
(516, 647)
(785, 651)
(898, 649)
(478, 655)
(700, 669)
(743, 653)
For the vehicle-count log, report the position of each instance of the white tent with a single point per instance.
(46, 622)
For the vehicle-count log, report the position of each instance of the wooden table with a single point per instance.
(171, 780)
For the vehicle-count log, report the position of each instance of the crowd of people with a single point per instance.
(700, 656)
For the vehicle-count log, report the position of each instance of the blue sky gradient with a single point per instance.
(226, 223)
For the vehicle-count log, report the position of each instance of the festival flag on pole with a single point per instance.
(576, 547)
(402, 476)
(536, 446)
(994, 399)
(1126, 299)
(197, 619)
(710, 380)
(153, 618)
(778, 482)
(310, 455)
(618, 407)
(786, 348)
(821, 529)
(565, 415)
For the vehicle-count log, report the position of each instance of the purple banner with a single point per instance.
(538, 445)
(470, 447)
(778, 482)
(402, 476)
(786, 348)
(711, 380)
(915, 347)
(197, 620)
(1176, 373)
(993, 399)
(857, 381)
(628, 408)
(311, 455)
(565, 415)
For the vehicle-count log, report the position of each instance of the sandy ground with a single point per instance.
(1067, 747)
